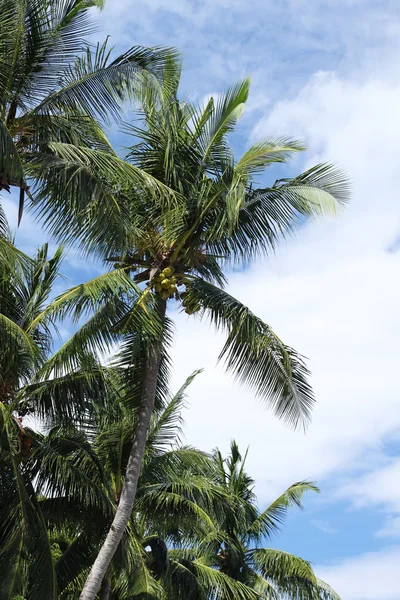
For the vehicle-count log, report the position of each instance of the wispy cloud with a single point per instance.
(371, 576)
(323, 526)
(390, 528)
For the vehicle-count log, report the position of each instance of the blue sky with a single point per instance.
(324, 71)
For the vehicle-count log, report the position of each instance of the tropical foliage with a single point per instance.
(206, 212)
(35, 386)
(55, 90)
(97, 492)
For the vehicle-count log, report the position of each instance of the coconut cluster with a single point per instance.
(190, 307)
(167, 282)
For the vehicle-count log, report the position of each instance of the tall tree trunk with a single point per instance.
(124, 509)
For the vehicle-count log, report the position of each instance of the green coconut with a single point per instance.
(165, 283)
(172, 289)
(168, 271)
(165, 295)
(158, 287)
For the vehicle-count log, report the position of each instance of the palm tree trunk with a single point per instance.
(124, 509)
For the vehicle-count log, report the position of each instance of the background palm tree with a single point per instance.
(176, 494)
(236, 546)
(61, 394)
(178, 243)
(54, 89)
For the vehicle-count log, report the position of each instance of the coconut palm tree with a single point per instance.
(29, 387)
(177, 492)
(174, 245)
(197, 524)
(54, 89)
(236, 546)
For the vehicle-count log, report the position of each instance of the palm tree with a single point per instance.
(54, 89)
(31, 387)
(177, 492)
(205, 212)
(196, 521)
(235, 548)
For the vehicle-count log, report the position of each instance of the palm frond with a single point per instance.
(255, 355)
(97, 86)
(272, 213)
(70, 398)
(227, 109)
(270, 520)
(289, 574)
(54, 37)
(64, 464)
(325, 592)
(86, 183)
(11, 169)
(220, 585)
(264, 153)
(166, 427)
(25, 546)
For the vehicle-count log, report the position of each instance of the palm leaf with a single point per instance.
(264, 153)
(289, 574)
(11, 169)
(255, 354)
(24, 533)
(221, 120)
(270, 520)
(272, 213)
(97, 86)
(165, 429)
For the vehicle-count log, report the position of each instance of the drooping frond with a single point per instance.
(291, 576)
(89, 297)
(26, 562)
(66, 465)
(220, 585)
(325, 592)
(255, 355)
(85, 183)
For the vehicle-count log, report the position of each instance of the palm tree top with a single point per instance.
(55, 88)
(182, 208)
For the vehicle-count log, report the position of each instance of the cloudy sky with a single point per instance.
(324, 71)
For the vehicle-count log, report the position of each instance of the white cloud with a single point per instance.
(280, 44)
(377, 488)
(371, 576)
(323, 526)
(390, 529)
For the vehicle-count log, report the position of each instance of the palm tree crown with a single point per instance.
(54, 88)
